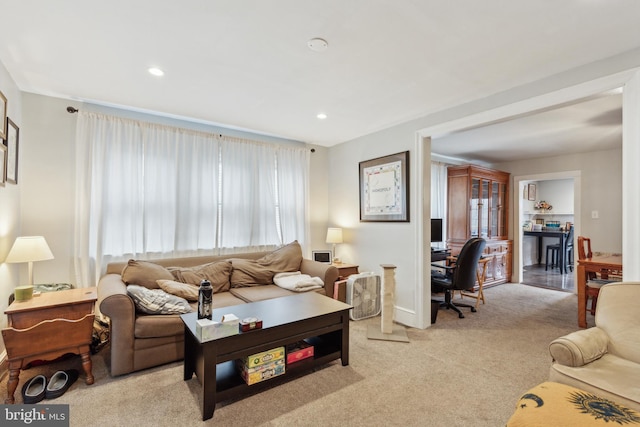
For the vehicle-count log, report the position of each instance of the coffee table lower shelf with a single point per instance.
(230, 385)
(322, 321)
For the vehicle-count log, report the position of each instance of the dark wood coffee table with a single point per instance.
(286, 320)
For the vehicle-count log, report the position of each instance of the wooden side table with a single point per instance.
(340, 287)
(346, 270)
(46, 327)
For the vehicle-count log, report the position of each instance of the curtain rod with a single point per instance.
(72, 110)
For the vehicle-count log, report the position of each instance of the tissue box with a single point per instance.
(262, 372)
(210, 329)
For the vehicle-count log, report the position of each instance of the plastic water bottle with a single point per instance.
(205, 300)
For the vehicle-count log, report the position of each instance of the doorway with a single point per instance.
(561, 189)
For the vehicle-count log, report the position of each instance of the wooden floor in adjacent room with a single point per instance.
(535, 275)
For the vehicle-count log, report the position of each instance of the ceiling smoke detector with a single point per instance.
(318, 45)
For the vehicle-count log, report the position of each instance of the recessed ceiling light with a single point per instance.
(321, 116)
(318, 44)
(156, 71)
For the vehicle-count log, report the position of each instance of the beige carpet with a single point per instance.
(460, 372)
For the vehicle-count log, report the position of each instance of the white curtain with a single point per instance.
(152, 191)
(439, 194)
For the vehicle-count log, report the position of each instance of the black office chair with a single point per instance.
(461, 275)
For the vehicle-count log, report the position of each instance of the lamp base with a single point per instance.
(23, 293)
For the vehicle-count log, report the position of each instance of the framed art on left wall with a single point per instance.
(12, 142)
(3, 116)
(3, 163)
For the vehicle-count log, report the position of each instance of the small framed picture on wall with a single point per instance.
(11, 142)
(3, 162)
(3, 116)
(531, 192)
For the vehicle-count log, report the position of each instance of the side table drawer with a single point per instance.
(347, 270)
(48, 336)
(26, 319)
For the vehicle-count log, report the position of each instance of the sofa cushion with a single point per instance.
(286, 258)
(144, 273)
(179, 289)
(225, 299)
(259, 293)
(217, 273)
(156, 326)
(157, 301)
(247, 272)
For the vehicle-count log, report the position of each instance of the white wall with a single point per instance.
(371, 244)
(601, 190)
(558, 193)
(10, 201)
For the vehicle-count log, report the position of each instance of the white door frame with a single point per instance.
(630, 82)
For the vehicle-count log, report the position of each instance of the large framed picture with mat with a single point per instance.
(384, 189)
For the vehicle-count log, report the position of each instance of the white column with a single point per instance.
(631, 178)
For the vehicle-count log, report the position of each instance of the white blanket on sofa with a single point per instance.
(297, 282)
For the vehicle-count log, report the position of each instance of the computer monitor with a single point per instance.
(436, 230)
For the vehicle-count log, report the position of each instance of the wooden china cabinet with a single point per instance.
(478, 206)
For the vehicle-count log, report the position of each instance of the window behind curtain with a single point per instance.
(152, 191)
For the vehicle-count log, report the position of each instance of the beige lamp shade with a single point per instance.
(334, 235)
(29, 249)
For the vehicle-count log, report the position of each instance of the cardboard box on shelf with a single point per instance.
(261, 372)
(264, 357)
(299, 351)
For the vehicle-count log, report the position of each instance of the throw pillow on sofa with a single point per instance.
(285, 258)
(157, 301)
(179, 289)
(218, 273)
(248, 272)
(144, 273)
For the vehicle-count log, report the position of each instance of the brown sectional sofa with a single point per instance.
(140, 341)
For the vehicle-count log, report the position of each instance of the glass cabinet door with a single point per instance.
(498, 211)
(479, 208)
(475, 206)
(484, 210)
(495, 198)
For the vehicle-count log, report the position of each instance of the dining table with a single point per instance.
(606, 265)
(561, 235)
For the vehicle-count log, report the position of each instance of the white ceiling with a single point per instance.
(246, 64)
(589, 125)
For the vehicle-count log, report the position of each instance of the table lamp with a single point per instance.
(334, 235)
(28, 249)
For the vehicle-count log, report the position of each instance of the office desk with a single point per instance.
(562, 239)
(440, 254)
(611, 263)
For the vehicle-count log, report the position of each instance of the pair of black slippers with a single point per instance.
(39, 388)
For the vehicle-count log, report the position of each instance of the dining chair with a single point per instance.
(553, 254)
(593, 282)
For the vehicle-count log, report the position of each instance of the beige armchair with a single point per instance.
(605, 359)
